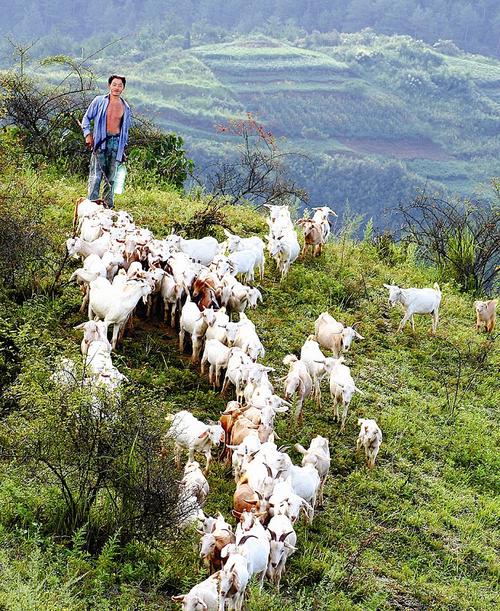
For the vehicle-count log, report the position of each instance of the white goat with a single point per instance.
(284, 501)
(285, 249)
(236, 243)
(252, 541)
(370, 437)
(321, 216)
(217, 355)
(190, 433)
(342, 389)
(217, 327)
(202, 250)
(195, 323)
(238, 367)
(306, 483)
(115, 304)
(93, 330)
(234, 577)
(317, 364)
(298, 381)
(203, 596)
(416, 301)
(282, 541)
(194, 482)
(317, 455)
(78, 247)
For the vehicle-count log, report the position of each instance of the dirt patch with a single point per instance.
(421, 148)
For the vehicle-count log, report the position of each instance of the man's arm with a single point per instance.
(87, 117)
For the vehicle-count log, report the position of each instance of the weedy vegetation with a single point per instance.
(87, 514)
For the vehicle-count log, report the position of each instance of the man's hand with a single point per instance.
(89, 141)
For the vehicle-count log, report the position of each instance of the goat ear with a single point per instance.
(358, 335)
(357, 390)
(203, 435)
(80, 326)
(387, 286)
(179, 598)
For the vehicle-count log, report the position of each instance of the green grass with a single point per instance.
(418, 532)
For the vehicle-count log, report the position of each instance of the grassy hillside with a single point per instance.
(374, 117)
(418, 532)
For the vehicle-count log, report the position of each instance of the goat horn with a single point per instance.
(284, 536)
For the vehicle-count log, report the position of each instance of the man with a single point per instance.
(107, 141)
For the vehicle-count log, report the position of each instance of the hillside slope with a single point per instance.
(418, 532)
(372, 118)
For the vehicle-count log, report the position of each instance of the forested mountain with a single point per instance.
(473, 26)
(369, 119)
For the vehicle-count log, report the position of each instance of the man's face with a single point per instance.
(116, 87)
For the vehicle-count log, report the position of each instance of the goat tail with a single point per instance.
(436, 287)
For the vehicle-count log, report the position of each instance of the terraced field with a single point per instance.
(372, 119)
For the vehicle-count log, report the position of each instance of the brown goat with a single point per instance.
(313, 236)
(204, 294)
(212, 545)
(246, 499)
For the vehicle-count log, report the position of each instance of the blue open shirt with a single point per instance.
(97, 112)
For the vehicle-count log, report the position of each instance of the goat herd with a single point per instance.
(197, 288)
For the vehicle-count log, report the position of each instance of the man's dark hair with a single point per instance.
(122, 79)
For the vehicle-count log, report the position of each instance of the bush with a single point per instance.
(100, 451)
(461, 239)
(158, 158)
(26, 243)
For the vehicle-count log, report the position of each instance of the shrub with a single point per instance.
(461, 239)
(101, 452)
(158, 158)
(26, 248)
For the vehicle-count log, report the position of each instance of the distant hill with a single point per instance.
(377, 117)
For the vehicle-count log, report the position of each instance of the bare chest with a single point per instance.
(114, 114)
